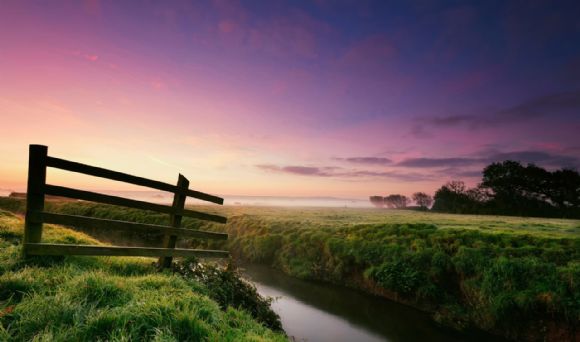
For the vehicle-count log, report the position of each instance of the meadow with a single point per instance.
(514, 277)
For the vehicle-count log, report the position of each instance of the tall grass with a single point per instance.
(108, 299)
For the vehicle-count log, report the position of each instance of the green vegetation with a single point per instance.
(514, 284)
(120, 299)
(226, 287)
(518, 277)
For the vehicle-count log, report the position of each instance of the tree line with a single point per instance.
(507, 188)
(510, 188)
(398, 201)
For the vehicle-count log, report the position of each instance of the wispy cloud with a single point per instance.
(296, 33)
(542, 106)
(298, 170)
(541, 158)
(452, 120)
(428, 169)
(562, 103)
(337, 172)
(537, 157)
(91, 58)
(395, 175)
(162, 162)
(438, 162)
(366, 160)
(457, 172)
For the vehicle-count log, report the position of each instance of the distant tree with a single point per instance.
(388, 202)
(453, 197)
(377, 201)
(422, 199)
(396, 201)
(456, 186)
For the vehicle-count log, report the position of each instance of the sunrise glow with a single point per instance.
(288, 98)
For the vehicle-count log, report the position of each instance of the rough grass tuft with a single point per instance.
(107, 299)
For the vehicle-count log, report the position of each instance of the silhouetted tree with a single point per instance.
(456, 186)
(510, 188)
(565, 188)
(377, 201)
(396, 201)
(518, 190)
(479, 194)
(452, 197)
(422, 199)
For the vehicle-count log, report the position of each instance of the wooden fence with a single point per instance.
(36, 216)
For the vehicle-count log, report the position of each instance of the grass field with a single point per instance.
(334, 217)
(308, 218)
(110, 299)
(516, 277)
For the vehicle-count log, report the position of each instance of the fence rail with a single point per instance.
(125, 202)
(36, 216)
(126, 178)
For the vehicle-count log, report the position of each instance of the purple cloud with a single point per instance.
(533, 157)
(298, 170)
(554, 104)
(438, 162)
(367, 160)
(337, 172)
(536, 157)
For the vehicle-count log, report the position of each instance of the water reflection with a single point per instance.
(312, 311)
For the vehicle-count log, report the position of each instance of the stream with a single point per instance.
(315, 311)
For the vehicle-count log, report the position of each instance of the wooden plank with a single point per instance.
(61, 249)
(203, 216)
(127, 178)
(35, 192)
(169, 240)
(115, 200)
(96, 223)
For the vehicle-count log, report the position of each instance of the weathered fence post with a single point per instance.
(169, 240)
(35, 193)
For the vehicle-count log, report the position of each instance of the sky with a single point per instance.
(289, 98)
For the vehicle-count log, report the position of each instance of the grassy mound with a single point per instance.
(107, 299)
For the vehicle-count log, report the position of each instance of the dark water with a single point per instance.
(313, 311)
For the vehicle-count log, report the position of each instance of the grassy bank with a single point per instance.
(112, 299)
(517, 277)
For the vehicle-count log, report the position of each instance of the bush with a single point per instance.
(399, 276)
(226, 286)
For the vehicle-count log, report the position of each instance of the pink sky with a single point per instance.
(282, 100)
